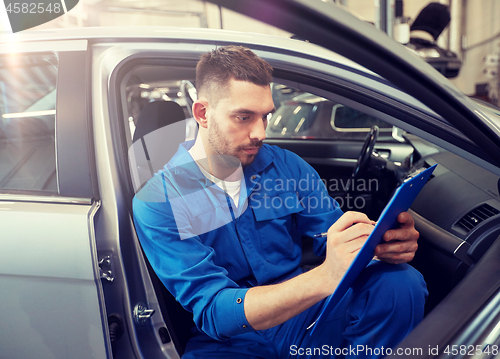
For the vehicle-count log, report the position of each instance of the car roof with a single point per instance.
(159, 33)
(165, 33)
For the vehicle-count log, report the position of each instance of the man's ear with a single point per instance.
(200, 108)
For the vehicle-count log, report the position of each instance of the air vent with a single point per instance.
(476, 216)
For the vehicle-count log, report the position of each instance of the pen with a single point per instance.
(319, 235)
(324, 234)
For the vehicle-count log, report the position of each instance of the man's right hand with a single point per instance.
(345, 238)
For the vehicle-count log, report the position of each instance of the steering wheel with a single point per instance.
(366, 151)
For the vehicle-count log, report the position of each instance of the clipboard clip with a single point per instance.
(414, 174)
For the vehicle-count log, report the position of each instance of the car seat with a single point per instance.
(160, 129)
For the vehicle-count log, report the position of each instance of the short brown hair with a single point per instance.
(216, 68)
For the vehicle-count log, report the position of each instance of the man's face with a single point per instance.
(237, 124)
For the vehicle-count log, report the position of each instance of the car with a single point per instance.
(308, 116)
(74, 281)
(424, 32)
(445, 61)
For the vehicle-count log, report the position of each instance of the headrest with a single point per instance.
(156, 115)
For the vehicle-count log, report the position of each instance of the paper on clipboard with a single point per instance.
(401, 200)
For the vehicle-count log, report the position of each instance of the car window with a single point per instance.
(303, 115)
(348, 119)
(27, 122)
(157, 112)
(293, 118)
(141, 90)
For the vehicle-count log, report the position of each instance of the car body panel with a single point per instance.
(48, 281)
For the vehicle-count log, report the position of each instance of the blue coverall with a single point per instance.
(208, 253)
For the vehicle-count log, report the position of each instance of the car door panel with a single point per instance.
(48, 281)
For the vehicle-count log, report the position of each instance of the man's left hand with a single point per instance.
(399, 245)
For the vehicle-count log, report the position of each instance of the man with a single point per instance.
(222, 223)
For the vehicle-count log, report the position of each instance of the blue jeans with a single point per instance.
(385, 303)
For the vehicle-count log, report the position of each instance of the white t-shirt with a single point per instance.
(232, 188)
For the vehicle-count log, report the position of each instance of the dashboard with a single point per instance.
(457, 214)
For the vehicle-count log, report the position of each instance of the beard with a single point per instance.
(230, 157)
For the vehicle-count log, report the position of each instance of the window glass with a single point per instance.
(157, 108)
(149, 84)
(293, 118)
(303, 115)
(345, 118)
(27, 122)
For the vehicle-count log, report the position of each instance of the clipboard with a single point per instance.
(401, 200)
